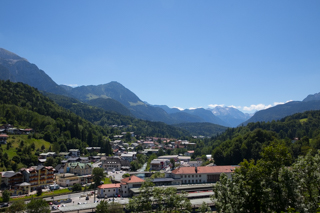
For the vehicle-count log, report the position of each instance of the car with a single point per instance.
(87, 198)
(63, 205)
(50, 203)
(54, 208)
(84, 203)
(4, 205)
(79, 203)
(119, 196)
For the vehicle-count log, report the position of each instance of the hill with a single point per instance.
(299, 132)
(203, 129)
(18, 69)
(232, 116)
(283, 110)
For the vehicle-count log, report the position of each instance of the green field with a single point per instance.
(16, 140)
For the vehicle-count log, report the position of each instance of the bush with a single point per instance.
(76, 187)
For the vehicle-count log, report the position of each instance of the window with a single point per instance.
(188, 175)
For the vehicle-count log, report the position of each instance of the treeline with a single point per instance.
(24, 106)
(274, 183)
(300, 133)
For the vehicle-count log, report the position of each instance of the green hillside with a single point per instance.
(299, 132)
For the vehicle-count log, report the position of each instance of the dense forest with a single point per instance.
(105, 119)
(299, 132)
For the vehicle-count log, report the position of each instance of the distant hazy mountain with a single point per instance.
(232, 116)
(18, 69)
(167, 109)
(315, 97)
(206, 115)
(283, 110)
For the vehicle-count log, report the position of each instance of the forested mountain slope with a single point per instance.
(299, 132)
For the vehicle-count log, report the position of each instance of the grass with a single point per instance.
(107, 180)
(15, 141)
(44, 194)
(303, 120)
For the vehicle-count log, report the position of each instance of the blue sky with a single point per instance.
(187, 54)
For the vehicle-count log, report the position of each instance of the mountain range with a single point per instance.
(116, 98)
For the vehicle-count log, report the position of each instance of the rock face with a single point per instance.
(232, 116)
(18, 69)
(315, 97)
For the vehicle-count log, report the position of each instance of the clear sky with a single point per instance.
(187, 54)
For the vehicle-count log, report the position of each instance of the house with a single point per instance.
(3, 138)
(38, 176)
(159, 164)
(201, 174)
(109, 190)
(68, 179)
(189, 153)
(93, 149)
(111, 163)
(184, 158)
(74, 152)
(128, 183)
(130, 156)
(175, 157)
(25, 131)
(195, 163)
(46, 155)
(148, 144)
(114, 163)
(78, 168)
(64, 154)
(14, 182)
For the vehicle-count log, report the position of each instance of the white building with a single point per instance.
(109, 190)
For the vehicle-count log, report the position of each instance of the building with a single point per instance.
(109, 190)
(130, 156)
(38, 176)
(74, 152)
(184, 158)
(93, 149)
(78, 168)
(111, 163)
(14, 182)
(159, 164)
(68, 179)
(201, 174)
(114, 163)
(128, 183)
(3, 138)
(175, 157)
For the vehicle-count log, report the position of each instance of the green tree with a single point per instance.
(17, 207)
(39, 191)
(49, 161)
(38, 206)
(173, 163)
(102, 207)
(98, 175)
(76, 187)
(5, 196)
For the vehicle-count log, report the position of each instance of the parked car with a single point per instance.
(4, 205)
(79, 203)
(87, 198)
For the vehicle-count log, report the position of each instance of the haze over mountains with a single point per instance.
(115, 97)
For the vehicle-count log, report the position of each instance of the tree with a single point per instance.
(98, 175)
(76, 187)
(173, 163)
(49, 161)
(17, 206)
(39, 191)
(102, 207)
(5, 196)
(38, 206)
(204, 207)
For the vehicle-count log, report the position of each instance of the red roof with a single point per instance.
(132, 179)
(109, 186)
(4, 136)
(204, 170)
(190, 152)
